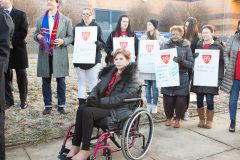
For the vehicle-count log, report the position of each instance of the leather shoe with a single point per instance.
(8, 105)
(23, 105)
(62, 110)
(47, 110)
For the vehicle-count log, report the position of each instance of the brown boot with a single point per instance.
(202, 118)
(210, 115)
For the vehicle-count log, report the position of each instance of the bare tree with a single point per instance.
(177, 14)
(139, 16)
(31, 9)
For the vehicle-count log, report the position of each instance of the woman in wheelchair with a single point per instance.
(118, 82)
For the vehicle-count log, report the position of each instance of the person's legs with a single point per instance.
(47, 95)
(210, 110)
(201, 110)
(169, 104)
(233, 99)
(180, 109)
(8, 89)
(148, 94)
(92, 75)
(155, 97)
(61, 90)
(210, 102)
(22, 85)
(2, 113)
(82, 82)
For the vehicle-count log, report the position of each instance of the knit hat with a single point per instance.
(154, 22)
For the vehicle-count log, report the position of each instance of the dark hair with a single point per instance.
(124, 52)
(210, 27)
(238, 26)
(118, 27)
(192, 29)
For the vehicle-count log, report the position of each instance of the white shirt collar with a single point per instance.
(9, 9)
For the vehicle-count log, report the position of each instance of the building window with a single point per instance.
(107, 19)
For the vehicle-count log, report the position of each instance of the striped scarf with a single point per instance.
(47, 41)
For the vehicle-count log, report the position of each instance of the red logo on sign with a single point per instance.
(207, 58)
(85, 35)
(124, 44)
(165, 58)
(149, 48)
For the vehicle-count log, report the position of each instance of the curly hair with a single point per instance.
(177, 28)
(124, 52)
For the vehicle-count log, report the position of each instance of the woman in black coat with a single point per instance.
(88, 72)
(118, 82)
(175, 98)
(208, 42)
(123, 29)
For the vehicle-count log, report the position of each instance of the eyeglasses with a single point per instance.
(86, 15)
(172, 35)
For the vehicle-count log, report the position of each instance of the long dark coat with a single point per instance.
(183, 51)
(18, 55)
(125, 86)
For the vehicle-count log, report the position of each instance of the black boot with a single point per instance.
(62, 110)
(47, 110)
(81, 101)
(232, 126)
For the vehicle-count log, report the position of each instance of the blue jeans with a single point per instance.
(234, 99)
(209, 98)
(151, 84)
(47, 91)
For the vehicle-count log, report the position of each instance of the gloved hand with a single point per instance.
(96, 103)
(97, 43)
(178, 60)
(195, 55)
(92, 98)
(219, 82)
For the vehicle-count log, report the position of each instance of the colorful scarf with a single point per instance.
(47, 41)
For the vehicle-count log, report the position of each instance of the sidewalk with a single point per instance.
(188, 142)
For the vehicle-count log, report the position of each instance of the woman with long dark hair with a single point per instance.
(231, 79)
(123, 29)
(191, 34)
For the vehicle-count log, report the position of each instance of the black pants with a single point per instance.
(177, 103)
(85, 122)
(2, 102)
(22, 85)
(190, 71)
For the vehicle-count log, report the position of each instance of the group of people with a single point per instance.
(120, 78)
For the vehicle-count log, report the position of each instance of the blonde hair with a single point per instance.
(154, 36)
(177, 28)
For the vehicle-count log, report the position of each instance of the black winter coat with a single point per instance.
(126, 86)
(183, 51)
(109, 46)
(211, 90)
(6, 33)
(100, 41)
(18, 55)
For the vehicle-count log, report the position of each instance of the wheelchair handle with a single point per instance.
(132, 100)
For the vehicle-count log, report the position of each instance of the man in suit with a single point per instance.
(6, 30)
(18, 59)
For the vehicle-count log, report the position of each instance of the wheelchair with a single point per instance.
(135, 133)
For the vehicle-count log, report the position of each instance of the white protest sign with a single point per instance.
(206, 68)
(84, 45)
(127, 43)
(147, 49)
(167, 71)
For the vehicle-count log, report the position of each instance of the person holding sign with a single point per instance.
(87, 72)
(150, 78)
(208, 42)
(191, 34)
(54, 34)
(231, 79)
(175, 98)
(118, 82)
(123, 30)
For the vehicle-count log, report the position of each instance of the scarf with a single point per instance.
(47, 41)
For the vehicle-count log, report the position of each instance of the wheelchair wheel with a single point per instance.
(137, 134)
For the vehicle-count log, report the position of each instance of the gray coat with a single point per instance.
(211, 90)
(150, 76)
(126, 86)
(230, 54)
(60, 54)
(183, 51)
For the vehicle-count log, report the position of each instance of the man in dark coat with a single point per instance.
(18, 59)
(6, 28)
